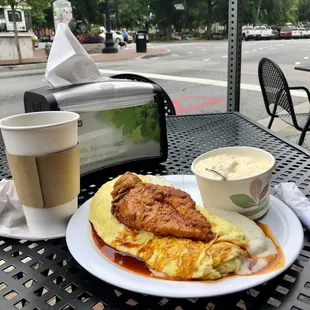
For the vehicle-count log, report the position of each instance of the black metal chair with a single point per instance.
(276, 92)
(169, 107)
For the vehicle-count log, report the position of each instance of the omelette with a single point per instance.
(171, 245)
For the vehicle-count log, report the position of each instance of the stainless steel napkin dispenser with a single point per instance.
(122, 121)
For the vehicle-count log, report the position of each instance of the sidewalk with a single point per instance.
(287, 131)
(123, 54)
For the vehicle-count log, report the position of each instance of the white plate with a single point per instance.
(281, 220)
(22, 232)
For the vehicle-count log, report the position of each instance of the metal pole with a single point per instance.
(234, 55)
(109, 41)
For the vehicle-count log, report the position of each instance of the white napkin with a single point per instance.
(12, 217)
(68, 62)
(12, 220)
(292, 196)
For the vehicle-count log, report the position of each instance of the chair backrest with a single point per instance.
(169, 107)
(274, 87)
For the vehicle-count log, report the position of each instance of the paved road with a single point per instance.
(194, 75)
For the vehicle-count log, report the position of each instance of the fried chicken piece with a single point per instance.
(162, 210)
(125, 183)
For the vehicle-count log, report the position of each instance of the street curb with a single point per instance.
(166, 53)
(20, 70)
(9, 69)
(22, 67)
(20, 73)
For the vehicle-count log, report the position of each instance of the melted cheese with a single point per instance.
(260, 247)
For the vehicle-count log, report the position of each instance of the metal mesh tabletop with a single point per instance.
(43, 275)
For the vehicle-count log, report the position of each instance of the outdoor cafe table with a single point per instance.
(43, 275)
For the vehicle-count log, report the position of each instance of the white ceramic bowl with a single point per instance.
(248, 196)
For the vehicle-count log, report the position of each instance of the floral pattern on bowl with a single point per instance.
(258, 196)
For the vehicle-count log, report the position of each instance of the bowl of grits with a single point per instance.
(245, 185)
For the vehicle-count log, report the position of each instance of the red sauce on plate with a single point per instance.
(125, 261)
(135, 265)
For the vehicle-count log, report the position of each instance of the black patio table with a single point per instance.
(43, 275)
(303, 68)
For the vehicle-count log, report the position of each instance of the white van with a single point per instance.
(7, 15)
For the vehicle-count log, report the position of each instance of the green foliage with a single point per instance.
(129, 14)
(303, 10)
(37, 8)
(87, 9)
(141, 14)
(139, 123)
(94, 29)
(277, 12)
(163, 11)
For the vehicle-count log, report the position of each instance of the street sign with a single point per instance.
(62, 11)
(179, 6)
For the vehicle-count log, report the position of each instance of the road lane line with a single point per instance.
(306, 57)
(297, 63)
(201, 81)
(190, 52)
(254, 50)
(225, 56)
(206, 59)
(246, 52)
(203, 50)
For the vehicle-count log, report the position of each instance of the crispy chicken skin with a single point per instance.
(162, 210)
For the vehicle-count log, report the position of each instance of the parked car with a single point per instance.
(263, 32)
(307, 30)
(248, 33)
(275, 34)
(117, 36)
(296, 33)
(303, 33)
(285, 33)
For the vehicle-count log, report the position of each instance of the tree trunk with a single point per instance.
(16, 35)
(258, 11)
(209, 20)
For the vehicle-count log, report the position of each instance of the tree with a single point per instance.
(163, 14)
(36, 6)
(87, 9)
(303, 10)
(209, 11)
(277, 12)
(130, 13)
